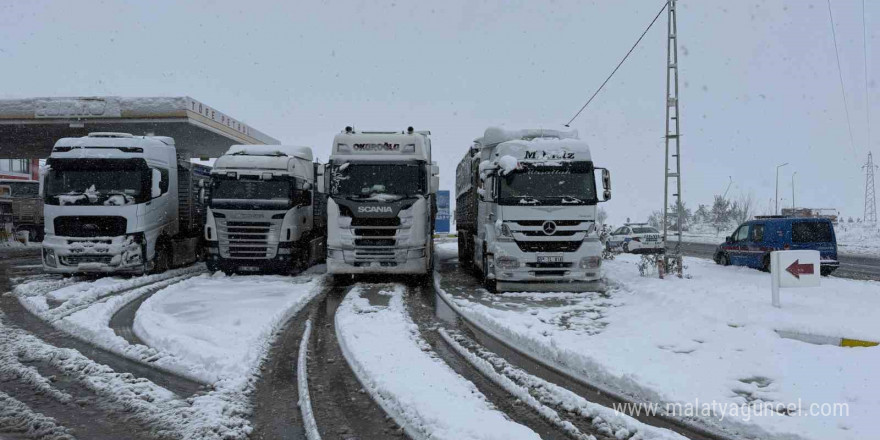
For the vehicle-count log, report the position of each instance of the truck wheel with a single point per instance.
(724, 259)
(490, 285)
(212, 266)
(163, 258)
(825, 271)
(765, 263)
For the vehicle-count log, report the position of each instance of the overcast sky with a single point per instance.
(759, 80)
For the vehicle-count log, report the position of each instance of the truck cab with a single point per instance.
(262, 210)
(526, 210)
(381, 206)
(117, 203)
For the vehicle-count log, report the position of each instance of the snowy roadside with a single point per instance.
(396, 366)
(710, 339)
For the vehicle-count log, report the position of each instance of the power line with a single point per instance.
(852, 143)
(665, 3)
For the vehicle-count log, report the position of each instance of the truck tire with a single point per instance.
(765, 263)
(212, 266)
(162, 262)
(490, 285)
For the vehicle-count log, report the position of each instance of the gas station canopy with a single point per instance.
(30, 127)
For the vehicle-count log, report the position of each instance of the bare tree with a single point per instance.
(601, 216)
(745, 207)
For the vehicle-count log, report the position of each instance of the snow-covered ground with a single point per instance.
(395, 365)
(213, 329)
(708, 339)
(220, 324)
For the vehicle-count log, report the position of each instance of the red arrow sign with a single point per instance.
(797, 269)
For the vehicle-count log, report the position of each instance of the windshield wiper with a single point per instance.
(528, 200)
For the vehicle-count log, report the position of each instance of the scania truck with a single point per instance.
(117, 203)
(381, 207)
(526, 211)
(265, 213)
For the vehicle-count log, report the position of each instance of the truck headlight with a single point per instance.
(49, 257)
(416, 253)
(505, 262)
(590, 262)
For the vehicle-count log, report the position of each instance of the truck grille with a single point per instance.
(75, 260)
(90, 226)
(549, 246)
(541, 222)
(245, 239)
(374, 240)
(557, 233)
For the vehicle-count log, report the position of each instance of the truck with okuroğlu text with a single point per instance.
(265, 213)
(526, 210)
(117, 203)
(381, 206)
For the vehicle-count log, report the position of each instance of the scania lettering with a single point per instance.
(526, 211)
(265, 212)
(380, 214)
(117, 203)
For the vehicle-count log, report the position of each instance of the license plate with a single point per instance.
(249, 269)
(550, 259)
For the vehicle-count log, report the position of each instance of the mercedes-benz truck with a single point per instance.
(117, 203)
(526, 211)
(381, 207)
(265, 213)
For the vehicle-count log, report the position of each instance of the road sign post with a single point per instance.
(793, 269)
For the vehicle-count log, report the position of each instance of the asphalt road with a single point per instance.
(857, 267)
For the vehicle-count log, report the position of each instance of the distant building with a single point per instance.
(20, 169)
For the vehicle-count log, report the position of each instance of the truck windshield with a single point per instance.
(565, 185)
(97, 181)
(377, 180)
(252, 193)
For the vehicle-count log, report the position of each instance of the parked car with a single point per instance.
(751, 243)
(636, 238)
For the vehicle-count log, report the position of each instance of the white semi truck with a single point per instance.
(380, 214)
(526, 210)
(117, 203)
(265, 212)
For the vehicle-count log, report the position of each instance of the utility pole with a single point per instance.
(870, 196)
(776, 209)
(672, 172)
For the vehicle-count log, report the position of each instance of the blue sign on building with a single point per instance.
(441, 224)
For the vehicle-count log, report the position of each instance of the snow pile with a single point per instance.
(422, 393)
(222, 324)
(710, 339)
(507, 164)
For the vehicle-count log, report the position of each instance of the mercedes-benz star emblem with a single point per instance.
(549, 228)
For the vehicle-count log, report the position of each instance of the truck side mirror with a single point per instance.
(606, 184)
(201, 183)
(307, 186)
(202, 196)
(156, 189)
(729, 239)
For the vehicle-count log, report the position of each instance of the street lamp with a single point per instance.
(777, 186)
(792, 190)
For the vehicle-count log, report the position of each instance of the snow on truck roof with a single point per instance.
(304, 153)
(535, 144)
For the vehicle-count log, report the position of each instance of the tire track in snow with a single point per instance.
(547, 425)
(342, 407)
(450, 271)
(18, 316)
